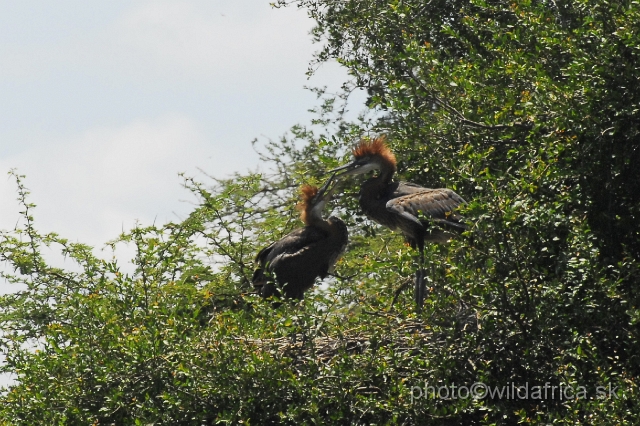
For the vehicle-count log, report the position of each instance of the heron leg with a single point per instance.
(419, 289)
(420, 285)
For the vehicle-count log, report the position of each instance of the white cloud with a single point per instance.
(90, 187)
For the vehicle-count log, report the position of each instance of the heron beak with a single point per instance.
(325, 193)
(347, 169)
(326, 185)
(337, 169)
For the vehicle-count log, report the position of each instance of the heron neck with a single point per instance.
(373, 188)
(317, 221)
(383, 178)
(386, 173)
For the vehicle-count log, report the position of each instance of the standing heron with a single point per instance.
(304, 254)
(421, 214)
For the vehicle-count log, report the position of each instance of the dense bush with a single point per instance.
(529, 110)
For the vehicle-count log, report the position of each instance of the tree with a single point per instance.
(529, 110)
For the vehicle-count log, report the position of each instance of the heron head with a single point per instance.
(368, 155)
(313, 200)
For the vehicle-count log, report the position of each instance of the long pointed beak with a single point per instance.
(347, 168)
(323, 193)
(326, 185)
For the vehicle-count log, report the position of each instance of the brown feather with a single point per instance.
(375, 147)
(291, 265)
(307, 193)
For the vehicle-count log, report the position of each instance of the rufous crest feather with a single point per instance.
(307, 193)
(377, 146)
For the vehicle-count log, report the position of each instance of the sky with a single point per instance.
(102, 104)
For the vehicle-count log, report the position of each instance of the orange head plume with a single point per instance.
(376, 147)
(307, 193)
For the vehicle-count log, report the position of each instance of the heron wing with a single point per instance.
(400, 189)
(436, 204)
(289, 244)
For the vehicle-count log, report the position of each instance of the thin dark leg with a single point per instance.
(419, 290)
(420, 286)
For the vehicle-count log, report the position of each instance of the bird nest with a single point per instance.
(406, 337)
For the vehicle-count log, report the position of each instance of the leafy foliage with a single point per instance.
(529, 110)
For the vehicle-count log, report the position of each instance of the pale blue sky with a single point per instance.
(103, 103)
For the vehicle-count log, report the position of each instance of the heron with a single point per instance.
(301, 256)
(421, 214)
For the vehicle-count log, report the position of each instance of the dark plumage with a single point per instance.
(295, 260)
(421, 214)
